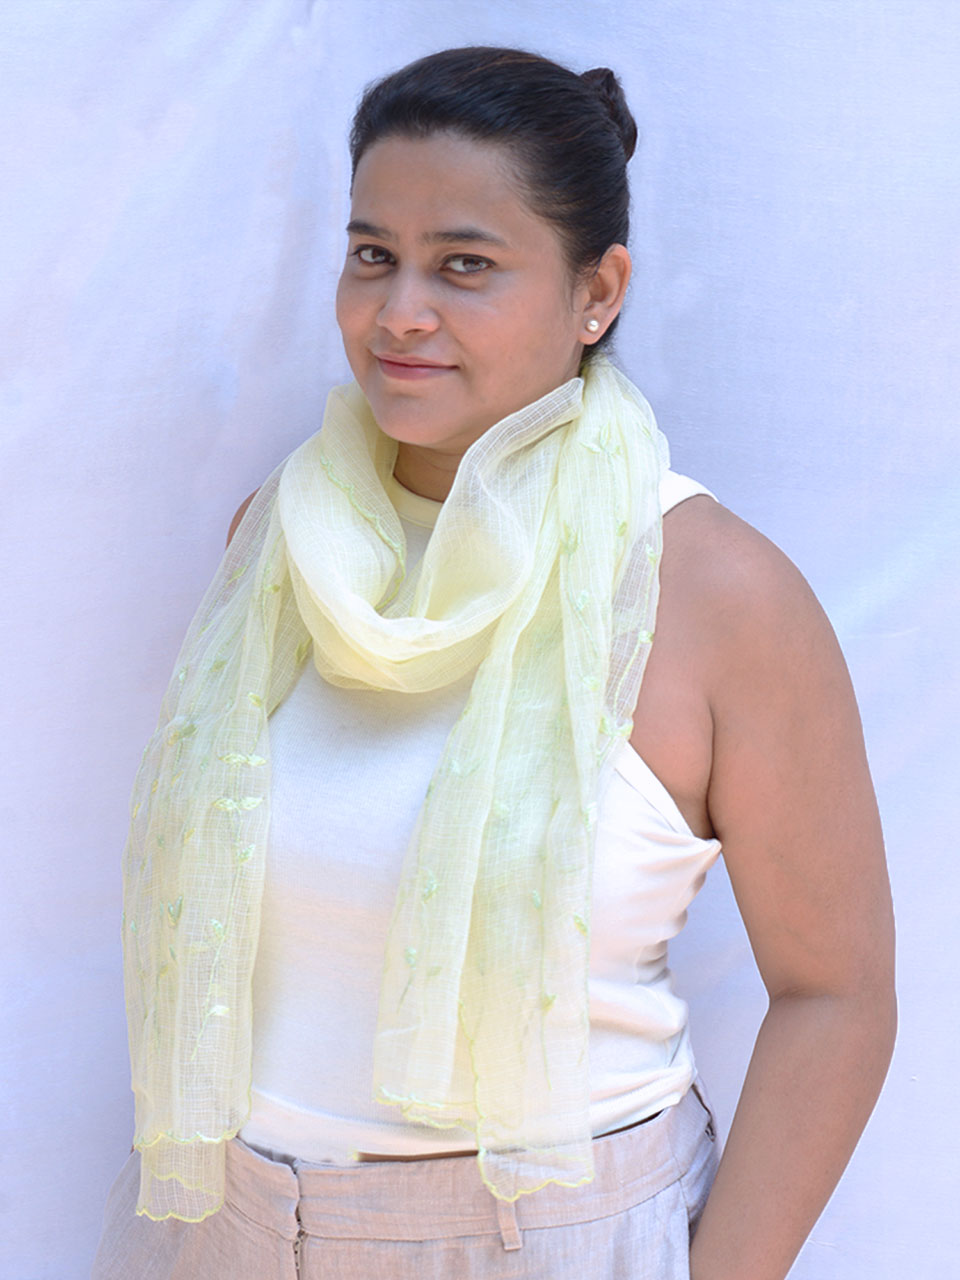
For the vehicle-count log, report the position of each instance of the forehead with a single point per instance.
(418, 186)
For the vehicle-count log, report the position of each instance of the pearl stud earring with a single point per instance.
(593, 324)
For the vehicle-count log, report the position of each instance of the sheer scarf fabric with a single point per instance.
(541, 578)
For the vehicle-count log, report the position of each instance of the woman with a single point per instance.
(430, 1031)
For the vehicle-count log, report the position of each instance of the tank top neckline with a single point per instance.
(412, 507)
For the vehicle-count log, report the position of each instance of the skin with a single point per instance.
(746, 712)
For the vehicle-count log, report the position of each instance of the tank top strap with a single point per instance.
(675, 488)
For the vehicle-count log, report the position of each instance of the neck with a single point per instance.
(425, 472)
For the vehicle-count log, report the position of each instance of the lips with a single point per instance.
(410, 368)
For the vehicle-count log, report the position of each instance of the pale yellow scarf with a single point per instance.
(541, 577)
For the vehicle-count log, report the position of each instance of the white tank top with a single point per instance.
(337, 840)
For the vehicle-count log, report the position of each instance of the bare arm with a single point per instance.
(240, 513)
(791, 799)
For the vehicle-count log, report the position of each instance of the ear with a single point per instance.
(602, 293)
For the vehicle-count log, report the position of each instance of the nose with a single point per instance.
(408, 305)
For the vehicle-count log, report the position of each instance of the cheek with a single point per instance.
(547, 309)
(349, 310)
(341, 308)
(540, 336)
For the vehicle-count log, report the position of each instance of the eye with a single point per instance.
(467, 264)
(372, 255)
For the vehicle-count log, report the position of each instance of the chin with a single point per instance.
(409, 425)
(408, 418)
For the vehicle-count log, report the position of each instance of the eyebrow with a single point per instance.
(456, 235)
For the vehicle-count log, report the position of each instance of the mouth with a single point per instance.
(411, 368)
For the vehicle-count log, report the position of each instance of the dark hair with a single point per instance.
(571, 135)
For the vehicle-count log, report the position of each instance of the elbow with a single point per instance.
(890, 1016)
(876, 997)
(860, 1022)
(875, 1017)
(874, 1022)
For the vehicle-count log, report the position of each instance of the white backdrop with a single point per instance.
(173, 196)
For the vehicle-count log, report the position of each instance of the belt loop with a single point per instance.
(507, 1222)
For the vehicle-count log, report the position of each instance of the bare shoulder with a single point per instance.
(744, 598)
(239, 514)
(728, 558)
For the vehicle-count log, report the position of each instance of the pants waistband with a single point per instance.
(436, 1199)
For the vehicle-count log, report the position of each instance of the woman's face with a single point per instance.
(455, 303)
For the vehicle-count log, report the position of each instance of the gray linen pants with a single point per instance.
(432, 1219)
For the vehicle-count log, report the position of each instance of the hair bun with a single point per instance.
(610, 92)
